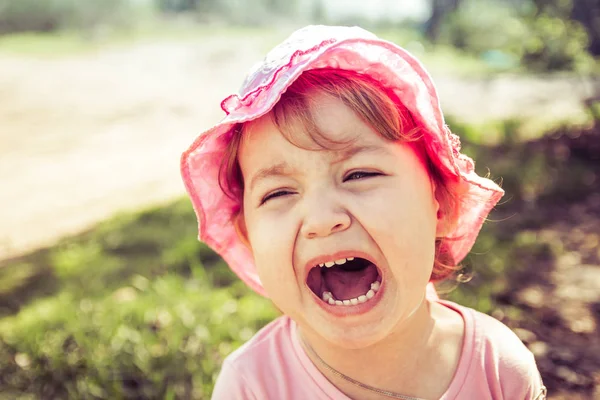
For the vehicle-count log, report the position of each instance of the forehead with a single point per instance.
(266, 152)
(331, 126)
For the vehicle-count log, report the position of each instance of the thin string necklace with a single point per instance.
(354, 381)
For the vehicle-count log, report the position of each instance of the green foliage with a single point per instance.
(52, 15)
(480, 26)
(553, 43)
(506, 35)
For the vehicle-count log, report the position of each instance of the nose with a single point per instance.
(324, 216)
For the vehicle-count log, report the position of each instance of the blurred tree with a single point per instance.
(319, 15)
(254, 12)
(557, 39)
(87, 16)
(180, 5)
(587, 12)
(542, 35)
(440, 9)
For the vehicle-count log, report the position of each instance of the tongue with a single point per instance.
(346, 285)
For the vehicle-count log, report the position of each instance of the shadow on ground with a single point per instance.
(537, 261)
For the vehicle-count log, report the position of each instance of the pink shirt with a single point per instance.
(494, 365)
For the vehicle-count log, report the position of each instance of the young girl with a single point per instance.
(334, 187)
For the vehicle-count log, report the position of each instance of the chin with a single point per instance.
(354, 332)
(357, 337)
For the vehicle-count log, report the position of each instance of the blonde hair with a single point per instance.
(378, 107)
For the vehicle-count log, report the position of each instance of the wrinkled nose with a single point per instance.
(323, 217)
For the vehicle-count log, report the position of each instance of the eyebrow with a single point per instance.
(354, 150)
(282, 168)
(278, 169)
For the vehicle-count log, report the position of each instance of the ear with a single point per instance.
(444, 224)
(240, 229)
(445, 218)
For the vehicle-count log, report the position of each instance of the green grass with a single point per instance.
(73, 42)
(45, 45)
(136, 307)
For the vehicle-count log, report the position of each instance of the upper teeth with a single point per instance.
(341, 261)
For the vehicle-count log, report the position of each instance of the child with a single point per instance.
(334, 188)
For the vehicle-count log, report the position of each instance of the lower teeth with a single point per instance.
(328, 296)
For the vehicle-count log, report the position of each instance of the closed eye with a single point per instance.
(360, 175)
(273, 195)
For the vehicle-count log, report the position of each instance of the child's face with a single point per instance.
(377, 204)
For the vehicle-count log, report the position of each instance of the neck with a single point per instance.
(391, 363)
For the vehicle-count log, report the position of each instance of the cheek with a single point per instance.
(399, 210)
(272, 242)
(402, 224)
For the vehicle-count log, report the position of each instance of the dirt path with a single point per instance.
(84, 137)
(87, 136)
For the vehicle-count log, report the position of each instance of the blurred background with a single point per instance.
(105, 292)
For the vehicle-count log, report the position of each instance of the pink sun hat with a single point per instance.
(349, 48)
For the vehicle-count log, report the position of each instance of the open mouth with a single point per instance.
(345, 282)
